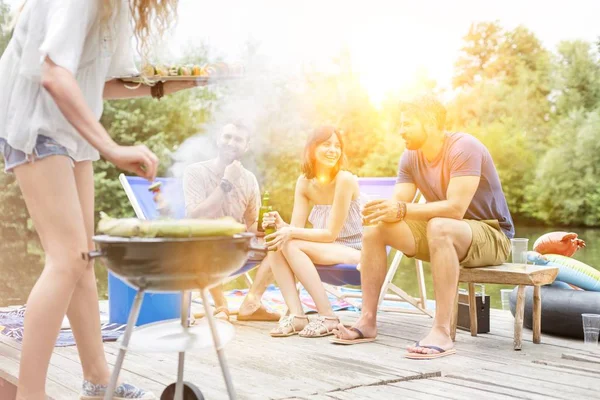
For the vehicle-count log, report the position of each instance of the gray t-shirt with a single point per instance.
(242, 203)
(461, 155)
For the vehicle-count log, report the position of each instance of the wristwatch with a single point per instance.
(225, 185)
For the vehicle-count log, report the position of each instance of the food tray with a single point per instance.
(158, 78)
(207, 73)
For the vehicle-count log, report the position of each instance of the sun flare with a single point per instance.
(389, 58)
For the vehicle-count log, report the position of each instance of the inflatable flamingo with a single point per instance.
(563, 243)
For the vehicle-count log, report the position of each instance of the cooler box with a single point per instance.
(157, 306)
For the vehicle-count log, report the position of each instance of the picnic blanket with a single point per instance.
(11, 321)
(273, 300)
(11, 325)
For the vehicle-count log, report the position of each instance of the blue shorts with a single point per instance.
(44, 147)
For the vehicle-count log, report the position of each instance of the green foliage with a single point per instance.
(577, 77)
(160, 125)
(4, 19)
(537, 112)
(565, 188)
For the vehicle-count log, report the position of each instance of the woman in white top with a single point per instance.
(335, 236)
(55, 73)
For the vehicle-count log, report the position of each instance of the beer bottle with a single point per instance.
(271, 228)
(264, 208)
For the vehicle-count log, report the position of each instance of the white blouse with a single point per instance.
(69, 33)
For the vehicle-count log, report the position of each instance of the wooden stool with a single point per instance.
(520, 275)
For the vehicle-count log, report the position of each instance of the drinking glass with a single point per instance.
(591, 329)
(519, 250)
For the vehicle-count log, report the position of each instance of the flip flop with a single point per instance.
(360, 339)
(420, 356)
(262, 314)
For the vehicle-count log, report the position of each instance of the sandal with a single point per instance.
(286, 326)
(318, 327)
(223, 310)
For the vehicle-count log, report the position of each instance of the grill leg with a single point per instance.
(131, 320)
(185, 307)
(217, 342)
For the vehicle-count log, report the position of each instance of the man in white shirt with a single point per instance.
(223, 187)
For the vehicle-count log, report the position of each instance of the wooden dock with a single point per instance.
(262, 367)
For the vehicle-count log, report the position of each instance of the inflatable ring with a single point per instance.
(570, 271)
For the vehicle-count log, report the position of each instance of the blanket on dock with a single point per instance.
(273, 300)
(11, 321)
(11, 325)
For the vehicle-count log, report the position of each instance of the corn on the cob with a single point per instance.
(173, 228)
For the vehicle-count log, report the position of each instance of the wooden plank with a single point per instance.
(326, 396)
(572, 381)
(62, 372)
(500, 329)
(537, 314)
(529, 384)
(520, 310)
(381, 392)
(410, 329)
(472, 310)
(483, 389)
(298, 368)
(54, 388)
(586, 357)
(510, 274)
(570, 367)
(441, 388)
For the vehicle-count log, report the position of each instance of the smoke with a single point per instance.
(269, 99)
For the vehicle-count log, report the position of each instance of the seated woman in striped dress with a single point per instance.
(335, 236)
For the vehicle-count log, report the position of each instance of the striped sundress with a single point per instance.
(352, 231)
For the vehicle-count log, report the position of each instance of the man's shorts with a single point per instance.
(490, 246)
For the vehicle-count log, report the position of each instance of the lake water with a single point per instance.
(17, 281)
(406, 276)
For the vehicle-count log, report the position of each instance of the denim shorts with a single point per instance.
(44, 147)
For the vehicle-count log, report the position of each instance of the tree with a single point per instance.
(479, 54)
(565, 189)
(504, 79)
(4, 19)
(577, 77)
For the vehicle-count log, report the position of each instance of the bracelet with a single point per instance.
(225, 185)
(401, 211)
(158, 90)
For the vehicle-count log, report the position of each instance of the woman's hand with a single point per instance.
(136, 159)
(273, 218)
(276, 240)
(382, 210)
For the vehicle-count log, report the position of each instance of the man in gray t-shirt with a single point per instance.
(223, 187)
(465, 221)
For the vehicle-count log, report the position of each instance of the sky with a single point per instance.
(389, 40)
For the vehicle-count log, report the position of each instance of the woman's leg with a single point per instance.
(83, 311)
(50, 192)
(286, 281)
(303, 255)
(252, 301)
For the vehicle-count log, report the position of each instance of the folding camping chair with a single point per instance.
(143, 204)
(334, 276)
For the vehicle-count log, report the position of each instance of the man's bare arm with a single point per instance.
(459, 196)
(405, 192)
